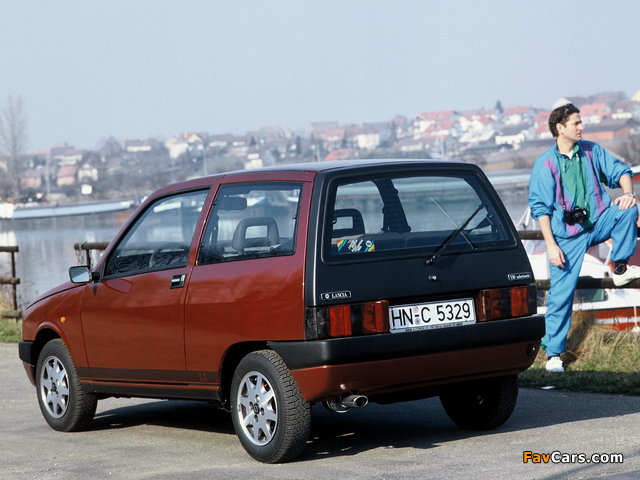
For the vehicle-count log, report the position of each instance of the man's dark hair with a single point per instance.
(560, 115)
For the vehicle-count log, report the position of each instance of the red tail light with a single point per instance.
(519, 302)
(340, 321)
(512, 302)
(375, 317)
(347, 320)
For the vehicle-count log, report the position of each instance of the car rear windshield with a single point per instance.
(386, 216)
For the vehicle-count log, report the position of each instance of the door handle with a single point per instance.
(178, 281)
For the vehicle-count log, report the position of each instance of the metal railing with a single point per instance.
(13, 281)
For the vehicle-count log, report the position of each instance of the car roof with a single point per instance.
(296, 168)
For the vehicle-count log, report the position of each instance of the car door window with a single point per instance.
(251, 220)
(161, 238)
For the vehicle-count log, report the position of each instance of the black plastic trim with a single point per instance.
(340, 351)
(179, 393)
(25, 352)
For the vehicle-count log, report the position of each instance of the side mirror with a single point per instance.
(80, 274)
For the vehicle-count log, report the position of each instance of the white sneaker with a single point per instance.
(554, 364)
(632, 273)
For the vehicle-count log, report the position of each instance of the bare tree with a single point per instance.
(13, 142)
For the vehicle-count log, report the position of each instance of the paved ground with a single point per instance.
(143, 439)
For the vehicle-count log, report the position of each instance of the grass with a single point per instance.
(596, 360)
(10, 329)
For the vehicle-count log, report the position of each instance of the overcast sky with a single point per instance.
(87, 70)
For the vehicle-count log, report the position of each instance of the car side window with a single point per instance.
(161, 238)
(251, 220)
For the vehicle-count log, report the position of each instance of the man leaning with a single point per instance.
(567, 198)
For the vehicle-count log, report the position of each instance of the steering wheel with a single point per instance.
(169, 253)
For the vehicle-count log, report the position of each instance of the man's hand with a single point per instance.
(625, 201)
(554, 253)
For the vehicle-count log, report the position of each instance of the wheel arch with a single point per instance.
(230, 362)
(43, 337)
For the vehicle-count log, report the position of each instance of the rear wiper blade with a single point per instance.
(452, 220)
(453, 235)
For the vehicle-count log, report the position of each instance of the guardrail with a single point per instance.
(13, 281)
(583, 282)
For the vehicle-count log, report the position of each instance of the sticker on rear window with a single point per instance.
(355, 246)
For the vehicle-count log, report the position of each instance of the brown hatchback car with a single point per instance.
(269, 290)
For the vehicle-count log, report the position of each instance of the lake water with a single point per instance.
(46, 244)
(46, 248)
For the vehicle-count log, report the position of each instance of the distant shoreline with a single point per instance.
(10, 212)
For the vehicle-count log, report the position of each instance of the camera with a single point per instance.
(575, 215)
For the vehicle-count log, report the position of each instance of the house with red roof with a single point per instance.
(542, 131)
(477, 123)
(333, 138)
(610, 129)
(345, 154)
(443, 129)
(541, 118)
(516, 115)
(423, 121)
(67, 175)
(593, 113)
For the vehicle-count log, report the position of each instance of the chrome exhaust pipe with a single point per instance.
(354, 401)
(343, 405)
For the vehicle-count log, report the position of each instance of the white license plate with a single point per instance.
(423, 316)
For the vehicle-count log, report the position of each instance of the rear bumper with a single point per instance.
(377, 364)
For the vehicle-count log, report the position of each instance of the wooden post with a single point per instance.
(13, 274)
(13, 281)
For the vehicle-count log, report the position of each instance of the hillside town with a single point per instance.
(497, 139)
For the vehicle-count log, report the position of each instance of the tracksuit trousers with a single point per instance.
(621, 227)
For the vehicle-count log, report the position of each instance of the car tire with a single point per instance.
(270, 415)
(64, 405)
(481, 404)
